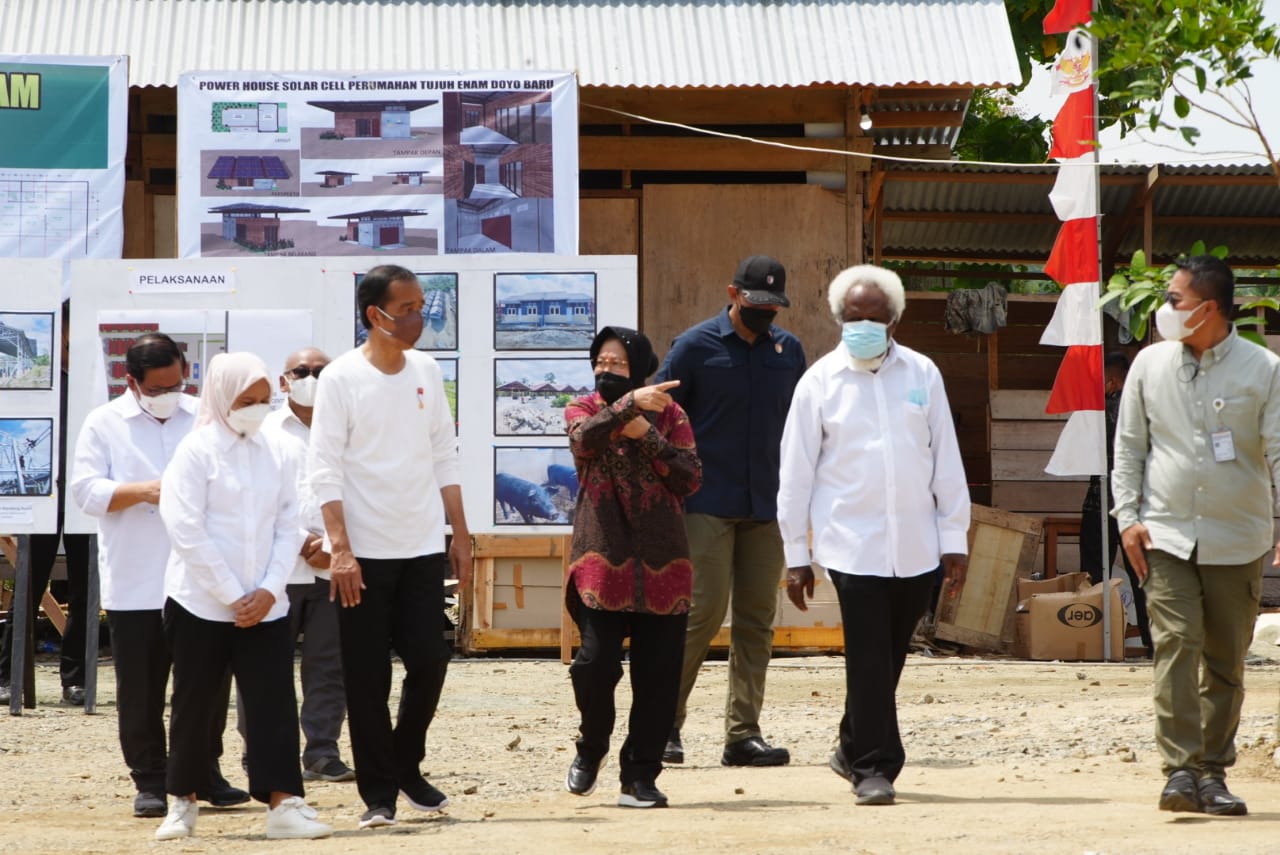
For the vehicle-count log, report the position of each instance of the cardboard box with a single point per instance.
(1066, 582)
(1068, 625)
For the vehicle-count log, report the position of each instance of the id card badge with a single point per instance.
(1224, 447)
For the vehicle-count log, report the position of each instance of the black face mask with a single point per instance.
(756, 320)
(612, 386)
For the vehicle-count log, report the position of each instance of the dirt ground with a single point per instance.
(1003, 757)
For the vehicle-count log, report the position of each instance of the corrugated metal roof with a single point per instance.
(1213, 195)
(607, 42)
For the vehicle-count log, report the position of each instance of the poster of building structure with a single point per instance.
(62, 148)
(26, 350)
(377, 164)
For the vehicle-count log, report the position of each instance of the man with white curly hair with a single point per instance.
(870, 461)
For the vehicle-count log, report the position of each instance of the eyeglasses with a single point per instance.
(302, 371)
(608, 363)
(1173, 299)
(157, 391)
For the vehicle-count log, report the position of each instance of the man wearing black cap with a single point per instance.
(737, 372)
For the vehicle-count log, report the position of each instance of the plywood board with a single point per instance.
(608, 226)
(1002, 549)
(688, 261)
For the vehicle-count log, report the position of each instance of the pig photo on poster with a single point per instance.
(534, 486)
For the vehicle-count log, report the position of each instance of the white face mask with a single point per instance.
(1172, 323)
(246, 420)
(303, 392)
(160, 406)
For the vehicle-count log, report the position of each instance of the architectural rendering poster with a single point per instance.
(62, 147)
(402, 164)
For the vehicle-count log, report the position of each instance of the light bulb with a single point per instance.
(865, 122)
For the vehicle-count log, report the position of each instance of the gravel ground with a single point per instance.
(1002, 757)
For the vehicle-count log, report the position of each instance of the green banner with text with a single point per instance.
(53, 116)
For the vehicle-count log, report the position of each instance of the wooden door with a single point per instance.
(497, 228)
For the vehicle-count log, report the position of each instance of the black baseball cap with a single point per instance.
(762, 281)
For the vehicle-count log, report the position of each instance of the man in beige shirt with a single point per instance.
(1197, 451)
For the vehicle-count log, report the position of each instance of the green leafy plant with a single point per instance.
(1141, 289)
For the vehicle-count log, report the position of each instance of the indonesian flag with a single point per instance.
(1075, 253)
(1078, 385)
(1067, 14)
(1079, 451)
(1075, 192)
(1073, 70)
(1073, 133)
(1075, 317)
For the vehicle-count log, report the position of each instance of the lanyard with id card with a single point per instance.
(1224, 446)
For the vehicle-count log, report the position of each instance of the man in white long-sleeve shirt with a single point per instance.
(870, 460)
(383, 465)
(121, 452)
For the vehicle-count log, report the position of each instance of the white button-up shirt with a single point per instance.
(118, 444)
(871, 460)
(292, 435)
(231, 509)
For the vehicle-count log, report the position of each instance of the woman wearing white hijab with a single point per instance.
(229, 505)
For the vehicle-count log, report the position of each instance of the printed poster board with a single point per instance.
(408, 164)
(63, 134)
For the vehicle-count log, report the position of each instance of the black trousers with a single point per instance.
(878, 615)
(401, 608)
(44, 551)
(657, 655)
(1091, 551)
(140, 653)
(261, 658)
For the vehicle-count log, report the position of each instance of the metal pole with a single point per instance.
(22, 678)
(92, 617)
(1105, 539)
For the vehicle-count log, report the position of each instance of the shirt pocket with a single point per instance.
(915, 422)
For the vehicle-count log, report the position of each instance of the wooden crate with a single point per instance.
(516, 602)
(1002, 549)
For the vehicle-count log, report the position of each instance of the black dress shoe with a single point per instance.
(874, 791)
(674, 752)
(754, 751)
(1180, 792)
(581, 780)
(224, 796)
(1216, 799)
(73, 695)
(149, 805)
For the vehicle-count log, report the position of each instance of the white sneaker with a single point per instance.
(294, 819)
(180, 821)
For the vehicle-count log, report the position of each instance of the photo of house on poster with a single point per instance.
(439, 312)
(530, 395)
(276, 164)
(26, 350)
(272, 334)
(26, 457)
(544, 311)
(533, 486)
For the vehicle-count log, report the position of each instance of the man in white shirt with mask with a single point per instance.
(870, 460)
(120, 454)
(311, 613)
